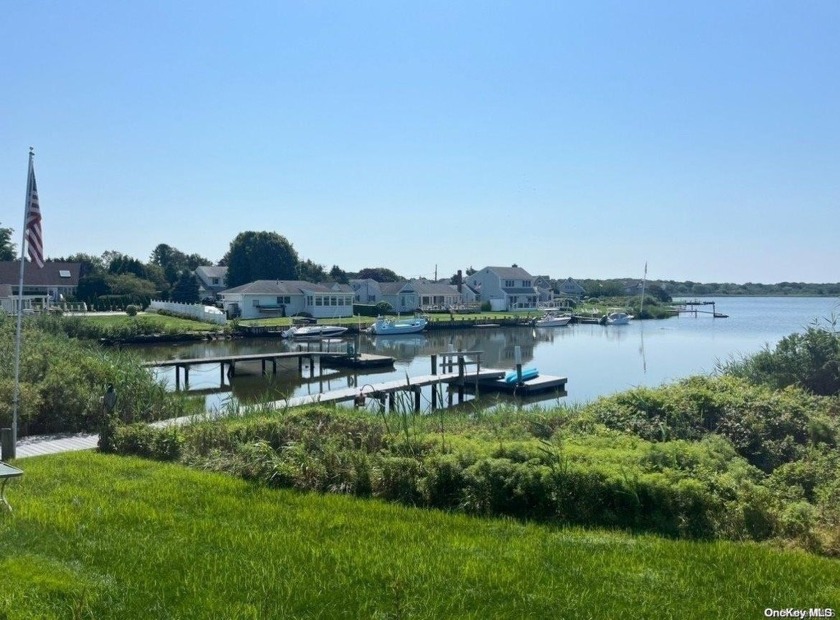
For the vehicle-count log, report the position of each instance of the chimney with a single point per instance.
(459, 281)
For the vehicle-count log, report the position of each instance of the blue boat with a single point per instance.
(527, 373)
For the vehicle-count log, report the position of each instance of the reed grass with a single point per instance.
(98, 536)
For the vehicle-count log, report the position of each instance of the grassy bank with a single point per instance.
(96, 536)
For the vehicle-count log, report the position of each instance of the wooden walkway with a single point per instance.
(54, 444)
(454, 373)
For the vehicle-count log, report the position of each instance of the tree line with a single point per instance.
(117, 279)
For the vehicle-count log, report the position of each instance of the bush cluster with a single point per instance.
(692, 489)
(810, 360)
(62, 380)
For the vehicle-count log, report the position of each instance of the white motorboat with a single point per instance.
(313, 332)
(386, 327)
(617, 318)
(552, 319)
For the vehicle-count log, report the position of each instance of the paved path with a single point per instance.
(53, 444)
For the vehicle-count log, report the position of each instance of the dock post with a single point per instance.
(391, 398)
(186, 377)
(434, 363)
(177, 377)
(262, 365)
(274, 366)
(416, 390)
(519, 374)
(222, 374)
(434, 395)
(300, 365)
(311, 367)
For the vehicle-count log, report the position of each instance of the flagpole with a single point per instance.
(642, 303)
(29, 177)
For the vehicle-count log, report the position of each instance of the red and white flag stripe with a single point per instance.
(33, 232)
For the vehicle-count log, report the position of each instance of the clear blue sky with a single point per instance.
(575, 139)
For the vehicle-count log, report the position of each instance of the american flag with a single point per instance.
(34, 237)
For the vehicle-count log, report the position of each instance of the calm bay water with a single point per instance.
(597, 360)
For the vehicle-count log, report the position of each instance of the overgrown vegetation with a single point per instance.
(62, 380)
(707, 457)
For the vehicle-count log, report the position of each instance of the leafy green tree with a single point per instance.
(311, 272)
(7, 248)
(185, 289)
(90, 264)
(379, 274)
(260, 256)
(130, 285)
(91, 287)
(658, 293)
(173, 261)
(125, 264)
(339, 275)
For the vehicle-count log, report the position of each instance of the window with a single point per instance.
(215, 281)
(526, 283)
(283, 300)
(319, 301)
(63, 273)
(256, 303)
(509, 283)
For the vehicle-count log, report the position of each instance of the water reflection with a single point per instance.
(596, 359)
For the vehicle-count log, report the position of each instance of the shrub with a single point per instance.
(810, 360)
(131, 310)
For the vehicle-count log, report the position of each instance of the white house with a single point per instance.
(505, 288)
(366, 291)
(412, 295)
(267, 298)
(570, 288)
(545, 289)
(211, 280)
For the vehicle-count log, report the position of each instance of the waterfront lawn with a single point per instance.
(150, 322)
(103, 536)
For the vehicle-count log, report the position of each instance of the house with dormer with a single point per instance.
(570, 288)
(505, 288)
(211, 281)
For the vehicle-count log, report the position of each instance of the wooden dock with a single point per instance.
(458, 370)
(227, 363)
(538, 385)
(690, 307)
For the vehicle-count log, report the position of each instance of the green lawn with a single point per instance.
(95, 536)
(164, 323)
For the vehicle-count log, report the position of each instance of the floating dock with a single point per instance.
(538, 385)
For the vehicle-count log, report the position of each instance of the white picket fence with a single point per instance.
(208, 314)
